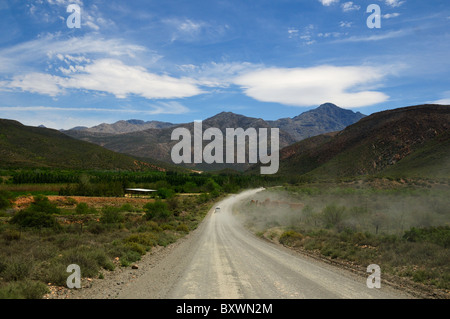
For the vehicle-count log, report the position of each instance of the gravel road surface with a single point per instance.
(222, 259)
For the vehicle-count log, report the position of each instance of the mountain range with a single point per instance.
(123, 126)
(410, 141)
(156, 143)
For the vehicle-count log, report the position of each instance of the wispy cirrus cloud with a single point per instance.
(171, 107)
(190, 30)
(217, 74)
(377, 37)
(24, 56)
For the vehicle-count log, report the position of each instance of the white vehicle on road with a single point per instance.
(217, 210)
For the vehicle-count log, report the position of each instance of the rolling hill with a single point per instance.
(410, 141)
(37, 147)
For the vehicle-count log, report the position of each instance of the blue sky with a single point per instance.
(180, 61)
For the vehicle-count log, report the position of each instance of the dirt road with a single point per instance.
(221, 259)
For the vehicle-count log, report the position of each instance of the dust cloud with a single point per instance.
(359, 207)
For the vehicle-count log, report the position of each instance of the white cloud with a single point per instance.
(110, 76)
(50, 44)
(312, 86)
(345, 24)
(350, 6)
(36, 83)
(390, 15)
(21, 57)
(328, 2)
(394, 3)
(442, 101)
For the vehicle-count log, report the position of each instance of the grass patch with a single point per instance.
(401, 225)
(38, 243)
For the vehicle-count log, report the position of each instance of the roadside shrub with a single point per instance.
(17, 269)
(157, 209)
(30, 218)
(146, 239)
(332, 215)
(291, 238)
(55, 272)
(26, 289)
(111, 215)
(141, 249)
(183, 228)
(90, 260)
(165, 239)
(129, 257)
(437, 235)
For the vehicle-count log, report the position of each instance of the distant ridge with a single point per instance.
(156, 142)
(326, 118)
(121, 127)
(410, 141)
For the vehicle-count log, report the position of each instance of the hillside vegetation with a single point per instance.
(32, 147)
(410, 142)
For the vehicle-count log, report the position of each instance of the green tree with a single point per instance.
(6, 199)
(157, 209)
(165, 193)
(42, 204)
